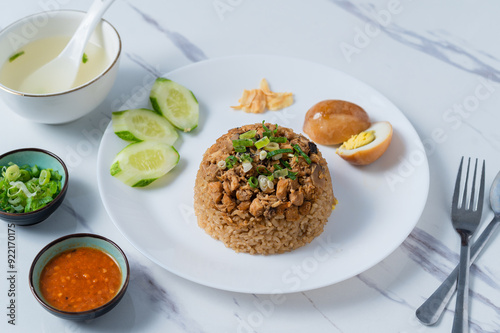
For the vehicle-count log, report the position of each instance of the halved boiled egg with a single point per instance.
(367, 146)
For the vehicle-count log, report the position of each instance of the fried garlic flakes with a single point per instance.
(257, 100)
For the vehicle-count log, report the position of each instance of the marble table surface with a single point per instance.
(439, 63)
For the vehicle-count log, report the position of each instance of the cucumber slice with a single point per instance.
(143, 124)
(176, 103)
(141, 163)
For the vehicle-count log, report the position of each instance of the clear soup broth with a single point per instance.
(37, 53)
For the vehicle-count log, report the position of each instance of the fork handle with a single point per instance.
(431, 310)
(461, 319)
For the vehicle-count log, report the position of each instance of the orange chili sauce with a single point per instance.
(80, 279)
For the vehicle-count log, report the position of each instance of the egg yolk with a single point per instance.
(359, 140)
(335, 202)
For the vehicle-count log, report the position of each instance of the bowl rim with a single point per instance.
(117, 296)
(113, 63)
(63, 190)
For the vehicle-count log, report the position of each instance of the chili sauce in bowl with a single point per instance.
(80, 279)
(79, 276)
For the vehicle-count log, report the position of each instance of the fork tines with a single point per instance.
(471, 204)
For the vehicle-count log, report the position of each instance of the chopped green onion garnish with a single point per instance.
(267, 131)
(242, 143)
(279, 139)
(85, 58)
(262, 170)
(15, 56)
(279, 151)
(221, 164)
(253, 182)
(272, 146)
(280, 173)
(231, 161)
(292, 175)
(304, 155)
(277, 167)
(286, 164)
(240, 149)
(262, 142)
(271, 134)
(246, 157)
(248, 135)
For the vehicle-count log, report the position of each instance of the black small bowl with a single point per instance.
(44, 159)
(71, 242)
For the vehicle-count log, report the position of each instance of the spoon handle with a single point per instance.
(430, 311)
(76, 46)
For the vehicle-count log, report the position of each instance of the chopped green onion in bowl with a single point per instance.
(26, 189)
(11, 173)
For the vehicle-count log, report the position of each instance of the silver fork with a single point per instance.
(465, 217)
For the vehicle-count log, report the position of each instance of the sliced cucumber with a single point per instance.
(176, 103)
(143, 124)
(141, 163)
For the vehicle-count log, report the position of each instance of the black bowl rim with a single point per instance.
(65, 187)
(47, 306)
(115, 60)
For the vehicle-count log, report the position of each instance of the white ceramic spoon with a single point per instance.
(66, 65)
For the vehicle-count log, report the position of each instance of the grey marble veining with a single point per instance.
(438, 44)
(439, 260)
(321, 312)
(384, 292)
(191, 51)
(423, 248)
(428, 252)
(143, 64)
(475, 325)
(151, 293)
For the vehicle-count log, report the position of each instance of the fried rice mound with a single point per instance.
(269, 219)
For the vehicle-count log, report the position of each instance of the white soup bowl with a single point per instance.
(66, 106)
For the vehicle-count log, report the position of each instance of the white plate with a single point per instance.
(378, 205)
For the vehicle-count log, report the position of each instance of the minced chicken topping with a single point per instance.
(265, 170)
